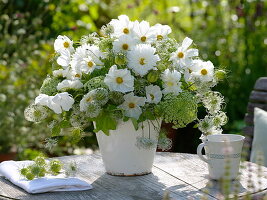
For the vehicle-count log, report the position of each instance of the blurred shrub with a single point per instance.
(232, 34)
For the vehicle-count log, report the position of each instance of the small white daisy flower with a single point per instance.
(143, 32)
(63, 43)
(171, 82)
(73, 74)
(131, 105)
(153, 94)
(122, 26)
(183, 56)
(161, 31)
(142, 59)
(205, 71)
(190, 69)
(86, 100)
(119, 80)
(64, 58)
(123, 44)
(87, 65)
(69, 84)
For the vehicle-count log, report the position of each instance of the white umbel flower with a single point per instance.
(205, 71)
(183, 56)
(63, 43)
(142, 59)
(64, 58)
(58, 103)
(119, 80)
(69, 84)
(122, 26)
(143, 32)
(123, 44)
(132, 104)
(153, 94)
(161, 31)
(171, 82)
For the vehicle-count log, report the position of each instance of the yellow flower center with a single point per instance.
(119, 80)
(143, 38)
(77, 75)
(131, 105)
(204, 72)
(152, 96)
(125, 46)
(126, 30)
(159, 37)
(142, 61)
(90, 64)
(180, 55)
(190, 71)
(169, 83)
(89, 99)
(66, 44)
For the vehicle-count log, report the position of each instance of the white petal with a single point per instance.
(186, 43)
(192, 52)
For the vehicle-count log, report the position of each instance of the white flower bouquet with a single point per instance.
(129, 71)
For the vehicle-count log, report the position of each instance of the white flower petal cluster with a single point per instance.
(143, 32)
(171, 82)
(69, 84)
(58, 103)
(132, 105)
(203, 71)
(183, 56)
(153, 94)
(63, 43)
(124, 43)
(161, 31)
(142, 58)
(119, 80)
(122, 26)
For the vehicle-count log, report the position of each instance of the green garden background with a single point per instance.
(232, 34)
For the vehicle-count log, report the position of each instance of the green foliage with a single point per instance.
(105, 122)
(49, 86)
(180, 110)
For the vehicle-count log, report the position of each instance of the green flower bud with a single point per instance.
(35, 170)
(30, 176)
(220, 74)
(55, 166)
(153, 76)
(24, 171)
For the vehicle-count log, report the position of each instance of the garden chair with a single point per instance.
(258, 98)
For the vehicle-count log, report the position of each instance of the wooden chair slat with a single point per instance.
(251, 107)
(261, 84)
(258, 97)
(249, 119)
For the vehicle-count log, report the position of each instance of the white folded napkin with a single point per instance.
(10, 170)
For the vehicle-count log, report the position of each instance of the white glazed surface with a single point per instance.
(119, 152)
(218, 149)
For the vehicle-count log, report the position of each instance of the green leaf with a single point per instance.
(195, 126)
(135, 123)
(64, 124)
(104, 122)
(55, 131)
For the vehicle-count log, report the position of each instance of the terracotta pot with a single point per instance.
(120, 154)
(8, 156)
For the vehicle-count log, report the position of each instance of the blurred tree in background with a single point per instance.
(232, 34)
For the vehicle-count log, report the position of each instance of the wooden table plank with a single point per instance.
(91, 169)
(192, 170)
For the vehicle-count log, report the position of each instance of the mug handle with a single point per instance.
(199, 152)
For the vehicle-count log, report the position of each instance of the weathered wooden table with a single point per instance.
(183, 176)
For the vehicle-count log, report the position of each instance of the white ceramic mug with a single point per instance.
(222, 150)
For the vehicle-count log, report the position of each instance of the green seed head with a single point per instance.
(30, 176)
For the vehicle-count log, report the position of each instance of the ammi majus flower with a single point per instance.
(132, 105)
(119, 80)
(142, 59)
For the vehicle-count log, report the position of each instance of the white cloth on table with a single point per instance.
(11, 171)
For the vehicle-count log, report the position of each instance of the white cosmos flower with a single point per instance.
(143, 32)
(171, 82)
(63, 43)
(153, 94)
(161, 31)
(83, 57)
(58, 103)
(190, 69)
(142, 58)
(204, 72)
(69, 84)
(124, 43)
(131, 105)
(122, 26)
(119, 80)
(183, 56)
(64, 58)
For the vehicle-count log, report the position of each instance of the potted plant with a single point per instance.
(127, 80)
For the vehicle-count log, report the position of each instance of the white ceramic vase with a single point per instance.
(119, 151)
